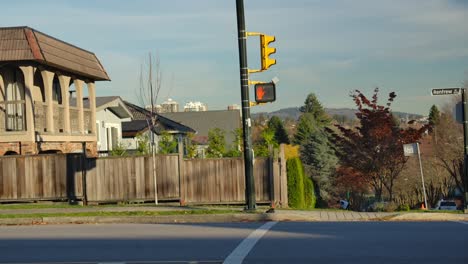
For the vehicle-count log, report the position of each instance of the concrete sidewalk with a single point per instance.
(237, 216)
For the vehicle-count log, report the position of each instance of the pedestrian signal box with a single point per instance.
(265, 92)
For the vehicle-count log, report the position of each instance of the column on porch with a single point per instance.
(79, 104)
(64, 85)
(48, 78)
(92, 105)
(2, 88)
(28, 73)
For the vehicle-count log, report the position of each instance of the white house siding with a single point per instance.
(131, 143)
(109, 130)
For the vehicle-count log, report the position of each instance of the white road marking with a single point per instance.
(241, 251)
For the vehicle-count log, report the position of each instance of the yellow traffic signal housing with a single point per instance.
(266, 51)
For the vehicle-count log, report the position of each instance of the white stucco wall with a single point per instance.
(105, 121)
(131, 143)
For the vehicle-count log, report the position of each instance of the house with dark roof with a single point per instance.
(141, 125)
(226, 120)
(111, 111)
(37, 74)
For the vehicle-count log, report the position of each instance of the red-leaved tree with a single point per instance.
(374, 149)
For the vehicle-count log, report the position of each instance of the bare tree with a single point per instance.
(449, 147)
(150, 81)
(150, 85)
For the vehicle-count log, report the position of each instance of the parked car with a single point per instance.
(446, 205)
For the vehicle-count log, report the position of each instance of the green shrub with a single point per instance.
(309, 193)
(390, 207)
(383, 207)
(295, 174)
(119, 150)
(404, 207)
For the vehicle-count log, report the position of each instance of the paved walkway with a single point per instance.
(278, 215)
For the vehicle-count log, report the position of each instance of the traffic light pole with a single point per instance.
(246, 121)
(465, 137)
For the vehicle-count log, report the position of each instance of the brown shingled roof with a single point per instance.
(27, 44)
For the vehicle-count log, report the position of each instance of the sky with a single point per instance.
(329, 48)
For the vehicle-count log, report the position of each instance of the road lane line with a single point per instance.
(241, 251)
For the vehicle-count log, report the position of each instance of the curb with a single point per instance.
(228, 218)
(163, 219)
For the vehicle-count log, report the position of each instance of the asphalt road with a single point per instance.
(283, 242)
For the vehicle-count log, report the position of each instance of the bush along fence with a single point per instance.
(73, 177)
(300, 187)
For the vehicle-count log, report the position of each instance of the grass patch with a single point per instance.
(36, 206)
(20, 206)
(120, 214)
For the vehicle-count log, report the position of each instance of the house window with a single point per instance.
(14, 105)
(115, 139)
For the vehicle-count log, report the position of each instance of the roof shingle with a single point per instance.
(26, 44)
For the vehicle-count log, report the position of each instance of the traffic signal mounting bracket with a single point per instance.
(255, 103)
(265, 51)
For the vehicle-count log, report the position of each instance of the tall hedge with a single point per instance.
(295, 183)
(309, 193)
(301, 192)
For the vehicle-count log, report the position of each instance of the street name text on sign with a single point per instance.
(446, 91)
(410, 149)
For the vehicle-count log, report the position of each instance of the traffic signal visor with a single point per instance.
(265, 92)
(266, 51)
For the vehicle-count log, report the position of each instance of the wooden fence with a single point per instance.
(114, 179)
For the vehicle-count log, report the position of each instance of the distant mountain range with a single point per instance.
(294, 113)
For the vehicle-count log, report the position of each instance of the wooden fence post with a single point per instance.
(181, 171)
(271, 175)
(83, 174)
(283, 178)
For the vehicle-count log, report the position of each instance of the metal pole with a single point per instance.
(422, 176)
(465, 140)
(246, 121)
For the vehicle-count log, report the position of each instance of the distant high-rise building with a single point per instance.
(157, 108)
(195, 107)
(233, 107)
(169, 106)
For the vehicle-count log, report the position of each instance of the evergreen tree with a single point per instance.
(434, 115)
(167, 144)
(320, 160)
(216, 143)
(237, 146)
(314, 107)
(281, 136)
(143, 144)
(190, 147)
(318, 157)
(306, 126)
(268, 138)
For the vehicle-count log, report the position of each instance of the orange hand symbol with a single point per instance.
(260, 93)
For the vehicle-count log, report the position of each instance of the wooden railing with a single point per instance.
(87, 120)
(59, 124)
(40, 113)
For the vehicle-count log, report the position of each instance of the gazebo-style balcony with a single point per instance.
(38, 75)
